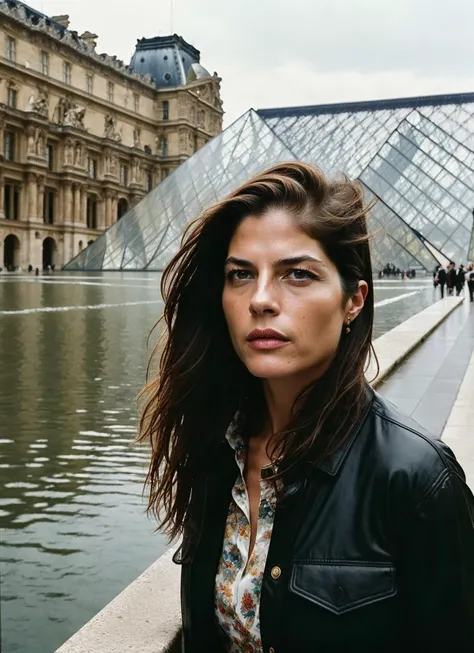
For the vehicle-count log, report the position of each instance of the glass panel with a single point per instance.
(150, 233)
(418, 161)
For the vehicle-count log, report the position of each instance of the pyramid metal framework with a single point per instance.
(414, 155)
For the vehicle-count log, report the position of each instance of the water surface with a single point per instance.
(74, 532)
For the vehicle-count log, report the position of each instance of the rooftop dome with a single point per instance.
(196, 71)
(168, 59)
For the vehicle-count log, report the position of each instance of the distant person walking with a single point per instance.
(451, 278)
(460, 279)
(442, 279)
(469, 276)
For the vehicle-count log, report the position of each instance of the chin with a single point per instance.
(270, 369)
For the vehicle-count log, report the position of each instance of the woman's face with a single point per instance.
(283, 300)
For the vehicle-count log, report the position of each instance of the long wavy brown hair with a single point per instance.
(201, 384)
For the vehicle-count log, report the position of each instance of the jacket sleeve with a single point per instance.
(436, 579)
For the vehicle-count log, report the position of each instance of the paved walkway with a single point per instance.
(427, 385)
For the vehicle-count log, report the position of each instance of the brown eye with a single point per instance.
(299, 274)
(238, 275)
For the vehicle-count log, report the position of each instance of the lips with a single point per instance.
(266, 339)
(266, 334)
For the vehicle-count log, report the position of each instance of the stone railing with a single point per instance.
(145, 617)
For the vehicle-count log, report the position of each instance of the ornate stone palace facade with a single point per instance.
(84, 137)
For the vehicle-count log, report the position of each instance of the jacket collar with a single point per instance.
(333, 463)
(330, 465)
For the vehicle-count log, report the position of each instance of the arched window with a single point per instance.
(49, 253)
(11, 252)
(122, 207)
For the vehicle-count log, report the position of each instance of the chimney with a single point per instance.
(90, 40)
(62, 20)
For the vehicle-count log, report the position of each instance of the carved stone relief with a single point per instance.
(36, 139)
(216, 86)
(40, 137)
(30, 133)
(182, 141)
(79, 155)
(182, 105)
(69, 114)
(137, 134)
(215, 124)
(38, 104)
(110, 163)
(201, 118)
(110, 125)
(158, 141)
(68, 152)
(136, 171)
(74, 117)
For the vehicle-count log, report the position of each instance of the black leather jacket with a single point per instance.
(376, 550)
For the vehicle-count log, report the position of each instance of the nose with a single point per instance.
(264, 299)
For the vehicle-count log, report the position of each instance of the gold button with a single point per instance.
(275, 573)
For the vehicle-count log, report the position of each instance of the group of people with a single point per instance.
(391, 271)
(454, 279)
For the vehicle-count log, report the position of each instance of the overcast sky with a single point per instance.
(273, 53)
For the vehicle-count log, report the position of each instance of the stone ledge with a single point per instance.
(146, 617)
(458, 430)
(394, 346)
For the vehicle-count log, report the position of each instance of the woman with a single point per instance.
(314, 515)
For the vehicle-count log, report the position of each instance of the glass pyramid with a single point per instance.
(414, 156)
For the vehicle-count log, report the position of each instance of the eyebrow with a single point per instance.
(293, 260)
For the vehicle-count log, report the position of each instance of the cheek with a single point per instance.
(322, 326)
(231, 313)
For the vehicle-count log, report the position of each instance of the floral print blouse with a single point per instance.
(239, 579)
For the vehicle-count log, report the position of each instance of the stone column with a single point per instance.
(113, 209)
(23, 200)
(68, 215)
(2, 198)
(59, 217)
(108, 210)
(77, 203)
(105, 208)
(102, 213)
(40, 209)
(83, 214)
(2, 126)
(32, 197)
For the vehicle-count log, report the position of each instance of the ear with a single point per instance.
(357, 301)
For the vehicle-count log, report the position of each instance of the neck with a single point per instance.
(280, 396)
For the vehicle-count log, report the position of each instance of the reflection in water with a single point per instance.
(75, 531)
(71, 510)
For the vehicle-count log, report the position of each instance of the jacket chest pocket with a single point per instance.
(341, 587)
